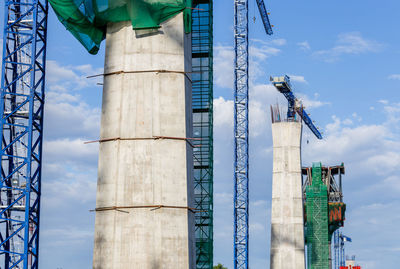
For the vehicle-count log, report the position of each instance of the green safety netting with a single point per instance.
(87, 19)
(317, 221)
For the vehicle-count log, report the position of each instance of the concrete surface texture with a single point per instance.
(287, 233)
(140, 171)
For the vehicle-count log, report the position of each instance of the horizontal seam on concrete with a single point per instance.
(145, 71)
(153, 207)
(187, 139)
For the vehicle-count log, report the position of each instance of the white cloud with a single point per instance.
(68, 118)
(257, 226)
(394, 77)
(297, 78)
(223, 197)
(310, 103)
(258, 54)
(223, 112)
(259, 51)
(265, 93)
(59, 97)
(304, 45)
(260, 203)
(268, 42)
(70, 78)
(259, 118)
(347, 144)
(262, 53)
(348, 43)
(278, 42)
(392, 111)
(69, 166)
(68, 150)
(64, 236)
(372, 148)
(67, 184)
(223, 66)
(347, 122)
(380, 225)
(57, 73)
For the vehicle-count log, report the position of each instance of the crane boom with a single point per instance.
(282, 84)
(264, 17)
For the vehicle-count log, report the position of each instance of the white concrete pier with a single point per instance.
(287, 232)
(137, 172)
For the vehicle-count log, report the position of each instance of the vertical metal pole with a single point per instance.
(336, 248)
(342, 257)
(340, 185)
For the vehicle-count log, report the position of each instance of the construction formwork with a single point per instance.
(202, 96)
(317, 238)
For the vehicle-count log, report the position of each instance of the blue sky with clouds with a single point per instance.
(343, 58)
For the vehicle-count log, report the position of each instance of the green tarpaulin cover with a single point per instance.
(87, 19)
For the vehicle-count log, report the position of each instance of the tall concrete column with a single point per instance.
(138, 172)
(287, 223)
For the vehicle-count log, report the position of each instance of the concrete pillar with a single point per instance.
(140, 171)
(287, 223)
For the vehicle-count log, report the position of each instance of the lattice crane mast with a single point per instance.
(343, 238)
(241, 128)
(282, 84)
(21, 131)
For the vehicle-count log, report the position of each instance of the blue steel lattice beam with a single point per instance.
(282, 84)
(241, 132)
(241, 129)
(21, 131)
(264, 17)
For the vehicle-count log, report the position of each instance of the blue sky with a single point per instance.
(343, 57)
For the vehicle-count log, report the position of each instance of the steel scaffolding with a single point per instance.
(21, 110)
(317, 221)
(332, 178)
(202, 78)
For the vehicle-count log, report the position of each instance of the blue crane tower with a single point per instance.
(241, 128)
(339, 239)
(282, 84)
(342, 257)
(21, 110)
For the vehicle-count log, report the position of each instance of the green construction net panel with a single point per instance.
(317, 236)
(87, 19)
